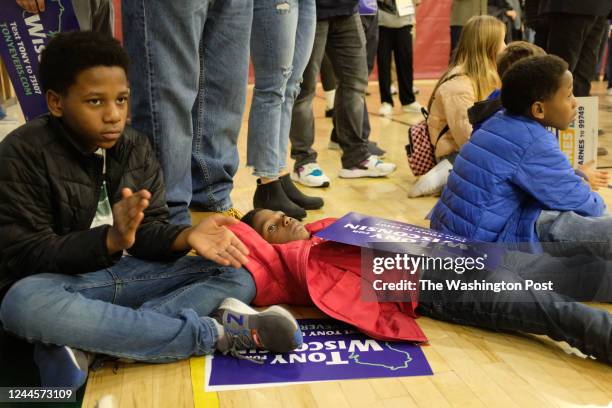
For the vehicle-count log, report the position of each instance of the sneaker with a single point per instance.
(273, 329)
(61, 366)
(310, 175)
(433, 181)
(413, 107)
(386, 109)
(370, 167)
(393, 90)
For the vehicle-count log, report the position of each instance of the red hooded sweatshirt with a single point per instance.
(328, 275)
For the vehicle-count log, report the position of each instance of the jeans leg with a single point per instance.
(582, 277)
(217, 114)
(370, 29)
(304, 39)
(567, 233)
(328, 79)
(164, 39)
(531, 311)
(346, 49)
(301, 131)
(273, 40)
(145, 311)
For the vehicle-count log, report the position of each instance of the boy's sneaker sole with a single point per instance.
(295, 177)
(361, 173)
(269, 324)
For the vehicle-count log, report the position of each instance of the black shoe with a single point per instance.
(329, 113)
(272, 196)
(299, 198)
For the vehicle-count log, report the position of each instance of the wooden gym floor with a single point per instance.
(472, 367)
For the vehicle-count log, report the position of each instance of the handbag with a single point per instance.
(420, 150)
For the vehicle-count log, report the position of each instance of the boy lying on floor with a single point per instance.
(289, 265)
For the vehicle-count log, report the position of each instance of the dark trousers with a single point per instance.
(455, 33)
(343, 39)
(576, 39)
(398, 41)
(610, 62)
(370, 28)
(556, 313)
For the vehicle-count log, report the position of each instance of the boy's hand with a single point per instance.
(212, 240)
(127, 216)
(32, 6)
(596, 178)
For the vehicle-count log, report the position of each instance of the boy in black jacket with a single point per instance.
(77, 190)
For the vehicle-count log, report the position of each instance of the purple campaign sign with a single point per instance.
(367, 7)
(399, 237)
(331, 351)
(23, 38)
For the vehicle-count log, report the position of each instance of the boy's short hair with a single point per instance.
(249, 217)
(530, 80)
(70, 53)
(516, 51)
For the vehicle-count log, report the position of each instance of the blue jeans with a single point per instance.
(281, 44)
(188, 77)
(145, 311)
(556, 313)
(565, 233)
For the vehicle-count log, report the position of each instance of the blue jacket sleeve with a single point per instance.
(545, 173)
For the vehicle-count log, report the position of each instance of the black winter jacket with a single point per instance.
(49, 190)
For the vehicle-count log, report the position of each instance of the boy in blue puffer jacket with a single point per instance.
(511, 183)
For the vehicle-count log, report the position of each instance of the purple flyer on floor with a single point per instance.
(23, 38)
(399, 237)
(331, 351)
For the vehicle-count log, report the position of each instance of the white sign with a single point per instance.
(579, 141)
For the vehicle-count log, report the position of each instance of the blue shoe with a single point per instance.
(273, 329)
(61, 366)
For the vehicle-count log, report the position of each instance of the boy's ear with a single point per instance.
(54, 103)
(537, 110)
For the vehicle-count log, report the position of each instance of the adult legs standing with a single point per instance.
(576, 39)
(189, 91)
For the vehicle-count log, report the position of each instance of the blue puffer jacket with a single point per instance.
(509, 171)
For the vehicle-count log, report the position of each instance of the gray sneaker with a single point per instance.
(273, 329)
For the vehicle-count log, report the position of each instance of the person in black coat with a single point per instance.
(575, 32)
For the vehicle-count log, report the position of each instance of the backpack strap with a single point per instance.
(446, 128)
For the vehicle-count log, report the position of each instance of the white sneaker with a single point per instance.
(370, 167)
(433, 181)
(393, 90)
(385, 109)
(413, 107)
(310, 175)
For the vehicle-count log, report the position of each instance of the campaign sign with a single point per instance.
(579, 141)
(397, 237)
(23, 38)
(331, 351)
